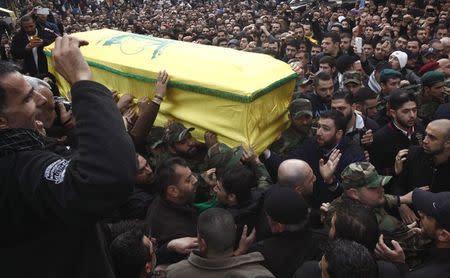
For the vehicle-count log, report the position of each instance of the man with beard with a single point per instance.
(361, 182)
(433, 94)
(434, 211)
(180, 143)
(300, 116)
(171, 215)
(143, 193)
(427, 164)
(389, 81)
(358, 129)
(401, 133)
(28, 44)
(323, 92)
(327, 154)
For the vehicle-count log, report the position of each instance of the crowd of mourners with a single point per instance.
(358, 185)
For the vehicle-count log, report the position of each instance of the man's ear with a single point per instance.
(148, 268)
(3, 122)
(231, 198)
(172, 191)
(443, 235)
(352, 193)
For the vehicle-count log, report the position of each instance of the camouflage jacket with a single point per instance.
(288, 140)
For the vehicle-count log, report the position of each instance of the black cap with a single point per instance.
(286, 206)
(436, 205)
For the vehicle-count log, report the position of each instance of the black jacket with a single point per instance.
(419, 170)
(438, 265)
(170, 221)
(387, 142)
(49, 204)
(312, 270)
(311, 153)
(18, 51)
(318, 105)
(285, 252)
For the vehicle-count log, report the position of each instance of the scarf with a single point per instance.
(373, 83)
(20, 139)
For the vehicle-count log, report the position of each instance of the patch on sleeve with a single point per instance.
(55, 172)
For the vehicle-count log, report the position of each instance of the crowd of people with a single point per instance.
(358, 185)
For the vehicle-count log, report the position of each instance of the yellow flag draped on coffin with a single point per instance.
(241, 96)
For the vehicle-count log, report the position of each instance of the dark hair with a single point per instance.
(348, 259)
(399, 97)
(293, 43)
(348, 97)
(364, 94)
(328, 60)
(356, 221)
(321, 76)
(129, 254)
(346, 35)
(217, 228)
(26, 18)
(165, 174)
(238, 180)
(337, 117)
(5, 69)
(334, 37)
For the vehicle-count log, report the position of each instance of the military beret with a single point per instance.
(387, 74)
(432, 77)
(433, 65)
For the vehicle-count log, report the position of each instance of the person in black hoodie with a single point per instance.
(292, 242)
(49, 203)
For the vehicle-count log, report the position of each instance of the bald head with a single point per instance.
(296, 174)
(443, 126)
(444, 67)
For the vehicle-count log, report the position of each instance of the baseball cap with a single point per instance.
(300, 107)
(361, 174)
(155, 137)
(220, 155)
(436, 205)
(176, 132)
(352, 77)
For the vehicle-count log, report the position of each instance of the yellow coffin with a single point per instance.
(240, 96)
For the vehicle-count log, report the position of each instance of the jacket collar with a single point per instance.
(224, 263)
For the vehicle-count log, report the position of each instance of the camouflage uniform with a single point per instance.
(363, 174)
(153, 141)
(291, 137)
(222, 156)
(429, 107)
(176, 132)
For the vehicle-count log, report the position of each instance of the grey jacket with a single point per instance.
(247, 265)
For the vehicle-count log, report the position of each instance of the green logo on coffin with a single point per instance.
(131, 44)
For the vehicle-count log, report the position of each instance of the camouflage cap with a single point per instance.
(300, 107)
(175, 132)
(222, 156)
(352, 77)
(361, 174)
(155, 137)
